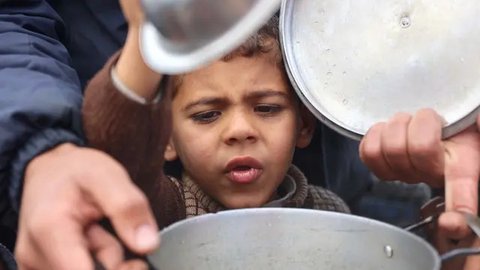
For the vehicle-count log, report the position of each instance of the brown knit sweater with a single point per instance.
(136, 135)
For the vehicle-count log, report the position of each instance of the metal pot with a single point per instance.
(179, 36)
(355, 63)
(287, 238)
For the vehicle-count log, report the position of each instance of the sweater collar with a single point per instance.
(292, 193)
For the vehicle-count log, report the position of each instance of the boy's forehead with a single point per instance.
(236, 73)
(211, 96)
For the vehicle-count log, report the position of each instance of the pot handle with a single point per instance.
(431, 211)
(474, 224)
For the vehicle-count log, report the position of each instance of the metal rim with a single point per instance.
(163, 61)
(252, 212)
(295, 75)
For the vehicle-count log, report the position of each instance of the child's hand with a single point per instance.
(132, 10)
(66, 191)
(410, 148)
(131, 69)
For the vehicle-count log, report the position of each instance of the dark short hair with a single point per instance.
(265, 40)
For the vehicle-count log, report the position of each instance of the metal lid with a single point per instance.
(180, 36)
(355, 63)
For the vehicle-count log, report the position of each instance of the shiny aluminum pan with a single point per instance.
(181, 36)
(357, 62)
(289, 238)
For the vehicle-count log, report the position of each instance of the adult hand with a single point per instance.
(66, 191)
(442, 240)
(410, 148)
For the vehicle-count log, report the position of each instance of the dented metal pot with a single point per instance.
(287, 238)
(355, 63)
(179, 36)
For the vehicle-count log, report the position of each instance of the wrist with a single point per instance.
(39, 160)
(132, 70)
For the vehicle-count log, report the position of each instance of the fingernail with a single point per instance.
(147, 237)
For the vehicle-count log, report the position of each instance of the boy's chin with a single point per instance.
(244, 201)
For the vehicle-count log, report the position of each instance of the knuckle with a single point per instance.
(128, 204)
(398, 124)
(40, 225)
(370, 152)
(395, 150)
(401, 117)
(377, 127)
(422, 148)
(370, 147)
(139, 201)
(426, 112)
(395, 147)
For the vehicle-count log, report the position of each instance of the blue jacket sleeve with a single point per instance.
(345, 174)
(40, 94)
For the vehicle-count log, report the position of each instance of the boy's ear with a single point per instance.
(170, 152)
(307, 127)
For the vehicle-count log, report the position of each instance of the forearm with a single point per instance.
(132, 70)
(134, 134)
(40, 93)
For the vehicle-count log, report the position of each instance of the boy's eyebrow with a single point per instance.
(204, 101)
(267, 93)
(251, 95)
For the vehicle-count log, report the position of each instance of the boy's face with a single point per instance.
(235, 128)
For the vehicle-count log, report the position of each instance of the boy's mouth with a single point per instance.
(243, 170)
(244, 175)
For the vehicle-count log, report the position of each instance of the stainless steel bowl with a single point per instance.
(355, 63)
(285, 239)
(182, 35)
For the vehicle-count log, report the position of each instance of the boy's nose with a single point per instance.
(240, 128)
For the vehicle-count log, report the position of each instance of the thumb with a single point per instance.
(126, 207)
(462, 170)
(461, 195)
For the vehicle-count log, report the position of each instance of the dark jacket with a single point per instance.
(40, 89)
(48, 51)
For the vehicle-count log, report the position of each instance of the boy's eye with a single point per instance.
(267, 109)
(206, 117)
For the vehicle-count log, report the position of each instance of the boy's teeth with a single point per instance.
(244, 176)
(242, 168)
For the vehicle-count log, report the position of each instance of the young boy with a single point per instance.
(235, 125)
